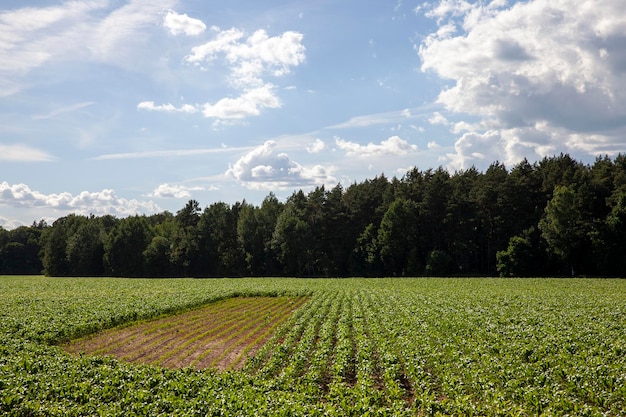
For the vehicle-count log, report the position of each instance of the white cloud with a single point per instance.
(258, 56)
(23, 153)
(99, 203)
(505, 145)
(210, 50)
(382, 118)
(173, 191)
(473, 148)
(538, 75)
(263, 168)
(179, 24)
(249, 103)
(75, 31)
(120, 37)
(464, 127)
(170, 153)
(449, 7)
(400, 172)
(32, 36)
(250, 60)
(63, 110)
(438, 119)
(168, 108)
(10, 224)
(392, 146)
(371, 119)
(316, 147)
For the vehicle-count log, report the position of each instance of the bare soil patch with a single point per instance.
(221, 335)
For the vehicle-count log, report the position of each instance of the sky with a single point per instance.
(130, 107)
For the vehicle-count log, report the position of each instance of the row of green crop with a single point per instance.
(510, 349)
(357, 347)
(252, 326)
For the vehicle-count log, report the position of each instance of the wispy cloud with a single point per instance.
(384, 118)
(119, 37)
(74, 31)
(171, 153)
(23, 153)
(63, 110)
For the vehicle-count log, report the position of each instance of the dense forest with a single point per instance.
(555, 217)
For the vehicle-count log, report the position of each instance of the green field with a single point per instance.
(356, 347)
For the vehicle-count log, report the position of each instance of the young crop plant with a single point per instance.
(318, 372)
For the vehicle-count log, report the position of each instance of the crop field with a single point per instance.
(414, 347)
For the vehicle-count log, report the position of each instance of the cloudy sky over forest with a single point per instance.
(136, 106)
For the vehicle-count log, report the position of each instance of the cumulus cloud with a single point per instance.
(392, 146)
(10, 224)
(99, 203)
(316, 147)
(249, 60)
(438, 119)
(173, 191)
(505, 145)
(23, 153)
(263, 168)
(538, 75)
(249, 103)
(454, 8)
(181, 24)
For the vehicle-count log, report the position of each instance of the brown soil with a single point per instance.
(221, 335)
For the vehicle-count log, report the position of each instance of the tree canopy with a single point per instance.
(553, 217)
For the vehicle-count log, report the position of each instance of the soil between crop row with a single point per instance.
(221, 335)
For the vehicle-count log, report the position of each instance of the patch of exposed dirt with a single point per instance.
(221, 335)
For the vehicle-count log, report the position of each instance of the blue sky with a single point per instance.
(135, 106)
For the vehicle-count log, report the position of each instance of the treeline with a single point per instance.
(554, 217)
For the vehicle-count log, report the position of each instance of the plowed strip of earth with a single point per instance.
(221, 335)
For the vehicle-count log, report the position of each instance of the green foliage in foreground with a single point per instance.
(358, 347)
